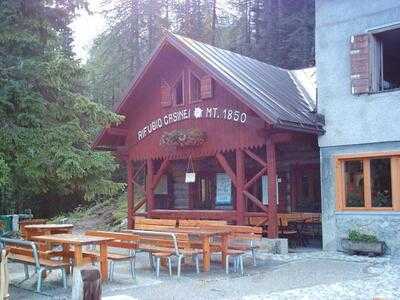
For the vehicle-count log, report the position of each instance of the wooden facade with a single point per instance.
(241, 168)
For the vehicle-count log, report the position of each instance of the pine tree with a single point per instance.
(46, 124)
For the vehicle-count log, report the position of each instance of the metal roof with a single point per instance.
(284, 97)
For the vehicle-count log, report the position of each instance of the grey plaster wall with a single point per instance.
(336, 225)
(352, 119)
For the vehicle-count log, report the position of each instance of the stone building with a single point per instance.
(358, 74)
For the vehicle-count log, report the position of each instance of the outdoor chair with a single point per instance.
(121, 241)
(16, 247)
(237, 255)
(167, 245)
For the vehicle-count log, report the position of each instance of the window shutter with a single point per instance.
(166, 99)
(360, 64)
(206, 89)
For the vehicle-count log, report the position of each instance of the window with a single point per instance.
(371, 183)
(354, 183)
(179, 92)
(375, 61)
(386, 63)
(381, 186)
(195, 88)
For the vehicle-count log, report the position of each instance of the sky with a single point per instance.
(86, 27)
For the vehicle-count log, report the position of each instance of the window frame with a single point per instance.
(191, 73)
(180, 78)
(339, 161)
(376, 58)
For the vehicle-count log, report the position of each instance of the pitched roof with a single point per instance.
(284, 98)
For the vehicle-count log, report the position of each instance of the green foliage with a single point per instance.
(46, 123)
(277, 32)
(356, 236)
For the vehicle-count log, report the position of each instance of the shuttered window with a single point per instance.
(195, 88)
(166, 99)
(206, 87)
(360, 64)
(375, 61)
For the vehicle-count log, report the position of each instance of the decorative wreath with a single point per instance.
(183, 137)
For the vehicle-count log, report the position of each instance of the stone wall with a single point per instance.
(336, 225)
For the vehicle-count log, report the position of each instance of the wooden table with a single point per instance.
(205, 235)
(46, 229)
(76, 240)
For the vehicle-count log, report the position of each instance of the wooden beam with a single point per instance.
(130, 194)
(229, 215)
(137, 184)
(225, 165)
(240, 180)
(256, 201)
(256, 157)
(272, 203)
(160, 172)
(395, 174)
(139, 205)
(149, 185)
(139, 170)
(255, 178)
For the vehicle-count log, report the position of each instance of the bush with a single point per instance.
(356, 236)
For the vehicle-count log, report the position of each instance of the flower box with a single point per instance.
(362, 247)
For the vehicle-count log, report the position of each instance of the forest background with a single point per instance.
(52, 104)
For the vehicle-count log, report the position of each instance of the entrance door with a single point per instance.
(181, 192)
(203, 194)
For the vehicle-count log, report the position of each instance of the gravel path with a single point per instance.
(308, 275)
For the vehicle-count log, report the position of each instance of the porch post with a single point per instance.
(131, 196)
(149, 186)
(240, 178)
(272, 207)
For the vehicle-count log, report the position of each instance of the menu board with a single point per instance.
(224, 189)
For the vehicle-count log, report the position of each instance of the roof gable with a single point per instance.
(278, 96)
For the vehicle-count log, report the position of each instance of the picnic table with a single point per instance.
(204, 234)
(46, 229)
(67, 239)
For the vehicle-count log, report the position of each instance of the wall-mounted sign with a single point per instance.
(224, 189)
(192, 113)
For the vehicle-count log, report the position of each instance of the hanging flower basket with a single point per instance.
(183, 137)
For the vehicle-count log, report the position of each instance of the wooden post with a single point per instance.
(131, 196)
(149, 186)
(272, 207)
(240, 182)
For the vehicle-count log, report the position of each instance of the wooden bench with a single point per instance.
(201, 223)
(121, 240)
(242, 238)
(40, 264)
(215, 247)
(166, 245)
(153, 224)
(24, 223)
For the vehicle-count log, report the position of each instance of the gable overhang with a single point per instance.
(217, 75)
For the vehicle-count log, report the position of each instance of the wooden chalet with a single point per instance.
(246, 129)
